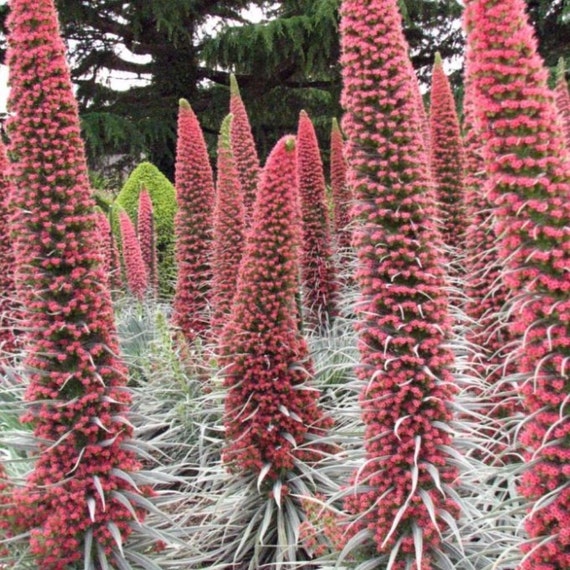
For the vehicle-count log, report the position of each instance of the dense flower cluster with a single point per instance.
(317, 268)
(447, 157)
(404, 322)
(193, 225)
(243, 147)
(147, 238)
(133, 262)
(8, 312)
(111, 257)
(341, 193)
(76, 395)
(529, 175)
(486, 295)
(562, 95)
(229, 230)
(270, 407)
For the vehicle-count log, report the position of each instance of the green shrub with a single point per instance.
(163, 197)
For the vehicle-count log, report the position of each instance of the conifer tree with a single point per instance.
(317, 268)
(563, 99)
(447, 157)
(74, 501)
(243, 148)
(340, 189)
(193, 225)
(229, 230)
(529, 174)
(402, 493)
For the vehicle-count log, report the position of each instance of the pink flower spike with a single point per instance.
(193, 225)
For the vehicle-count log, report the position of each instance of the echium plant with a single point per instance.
(8, 311)
(269, 409)
(342, 198)
(111, 257)
(563, 99)
(486, 293)
(76, 503)
(135, 269)
(317, 267)
(147, 238)
(195, 194)
(402, 498)
(229, 230)
(244, 149)
(447, 157)
(529, 176)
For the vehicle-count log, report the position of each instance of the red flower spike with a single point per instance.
(243, 147)
(404, 322)
(135, 268)
(111, 257)
(526, 158)
(147, 238)
(267, 416)
(229, 230)
(8, 311)
(317, 269)
(563, 99)
(193, 225)
(340, 190)
(485, 293)
(76, 392)
(447, 157)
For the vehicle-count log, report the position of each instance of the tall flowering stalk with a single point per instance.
(243, 147)
(486, 293)
(73, 503)
(318, 271)
(194, 183)
(447, 157)
(529, 176)
(562, 95)
(404, 322)
(133, 261)
(111, 256)
(269, 411)
(340, 190)
(147, 238)
(229, 230)
(8, 312)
